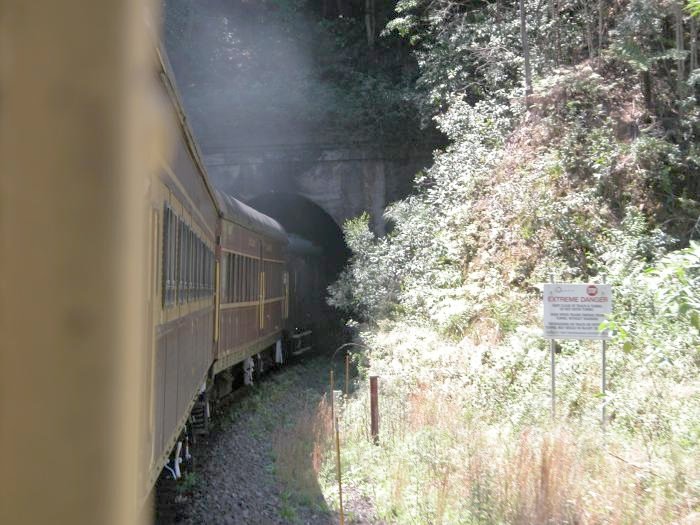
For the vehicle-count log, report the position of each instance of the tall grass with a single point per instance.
(436, 464)
(301, 448)
(466, 437)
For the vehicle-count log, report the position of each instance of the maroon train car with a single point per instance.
(218, 296)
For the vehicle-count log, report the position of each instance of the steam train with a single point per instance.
(226, 286)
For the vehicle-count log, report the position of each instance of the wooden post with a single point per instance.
(374, 408)
(332, 394)
(338, 470)
(347, 375)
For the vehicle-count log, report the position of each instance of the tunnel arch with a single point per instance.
(302, 216)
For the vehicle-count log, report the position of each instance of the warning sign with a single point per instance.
(575, 311)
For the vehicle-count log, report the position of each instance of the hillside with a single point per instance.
(589, 173)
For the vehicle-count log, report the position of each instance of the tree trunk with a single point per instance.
(589, 29)
(499, 17)
(370, 23)
(645, 80)
(602, 15)
(554, 16)
(526, 53)
(693, 44)
(680, 44)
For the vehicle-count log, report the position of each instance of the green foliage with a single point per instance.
(282, 62)
(694, 7)
(591, 179)
(188, 483)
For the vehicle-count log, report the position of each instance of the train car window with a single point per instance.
(241, 295)
(193, 266)
(233, 284)
(176, 257)
(235, 276)
(187, 264)
(165, 262)
(256, 280)
(204, 258)
(245, 279)
(231, 276)
(173, 258)
(240, 271)
(197, 268)
(279, 285)
(190, 256)
(234, 269)
(200, 267)
(190, 265)
(251, 278)
(229, 273)
(224, 278)
(245, 282)
(207, 271)
(273, 280)
(181, 262)
(177, 285)
(212, 266)
(178, 264)
(269, 279)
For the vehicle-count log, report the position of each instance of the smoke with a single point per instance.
(248, 76)
(245, 71)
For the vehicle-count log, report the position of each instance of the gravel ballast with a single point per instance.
(234, 480)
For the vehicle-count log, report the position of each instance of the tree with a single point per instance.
(526, 53)
(693, 44)
(680, 42)
(554, 16)
(370, 22)
(694, 7)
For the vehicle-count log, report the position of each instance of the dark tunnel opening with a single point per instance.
(301, 216)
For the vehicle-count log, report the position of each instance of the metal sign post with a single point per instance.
(576, 311)
(604, 348)
(552, 351)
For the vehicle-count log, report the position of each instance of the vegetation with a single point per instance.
(589, 169)
(314, 65)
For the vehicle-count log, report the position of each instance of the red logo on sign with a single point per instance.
(592, 290)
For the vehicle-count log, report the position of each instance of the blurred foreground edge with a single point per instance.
(77, 134)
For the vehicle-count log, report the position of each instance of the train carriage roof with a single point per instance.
(235, 211)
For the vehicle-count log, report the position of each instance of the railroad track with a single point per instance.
(170, 496)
